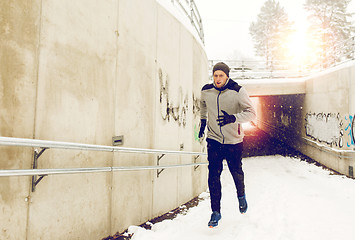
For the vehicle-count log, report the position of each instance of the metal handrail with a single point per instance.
(24, 142)
(56, 171)
(190, 9)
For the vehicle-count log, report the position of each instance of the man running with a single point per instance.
(225, 105)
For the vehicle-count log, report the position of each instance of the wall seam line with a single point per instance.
(37, 62)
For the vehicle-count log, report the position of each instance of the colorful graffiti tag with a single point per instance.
(350, 128)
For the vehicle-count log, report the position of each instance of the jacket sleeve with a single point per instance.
(203, 107)
(248, 112)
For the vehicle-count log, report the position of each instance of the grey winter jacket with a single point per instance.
(233, 99)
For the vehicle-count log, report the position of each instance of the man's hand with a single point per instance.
(225, 119)
(202, 128)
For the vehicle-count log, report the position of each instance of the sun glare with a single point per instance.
(302, 50)
(298, 46)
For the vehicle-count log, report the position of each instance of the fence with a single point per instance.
(190, 9)
(258, 69)
(340, 53)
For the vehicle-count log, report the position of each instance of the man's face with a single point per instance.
(219, 78)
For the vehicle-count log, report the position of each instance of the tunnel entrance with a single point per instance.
(259, 143)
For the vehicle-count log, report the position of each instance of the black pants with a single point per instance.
(217, 152)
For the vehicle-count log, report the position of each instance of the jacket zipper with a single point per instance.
(220, 127)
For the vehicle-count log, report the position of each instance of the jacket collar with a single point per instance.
(222, 88)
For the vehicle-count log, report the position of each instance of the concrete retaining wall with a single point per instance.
(86, 71)
(319, 123)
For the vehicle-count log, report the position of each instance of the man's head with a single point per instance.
(220, 74)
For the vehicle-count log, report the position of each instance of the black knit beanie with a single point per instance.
(221, 66)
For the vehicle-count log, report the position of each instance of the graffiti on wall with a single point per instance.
(171, 110)
(350, 129)
(285, 119)
(196, 112)
(196, 106)
(325, 127)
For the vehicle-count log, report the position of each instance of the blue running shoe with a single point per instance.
(243, 205)
(215, 217)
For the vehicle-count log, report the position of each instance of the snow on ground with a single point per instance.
(288, 199)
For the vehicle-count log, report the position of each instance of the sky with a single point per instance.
(287, 198)
(226, 25)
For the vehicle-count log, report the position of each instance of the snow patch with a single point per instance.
(288, 199)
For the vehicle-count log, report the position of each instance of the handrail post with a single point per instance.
(195, 158)
(36, 156)
(159, 171)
